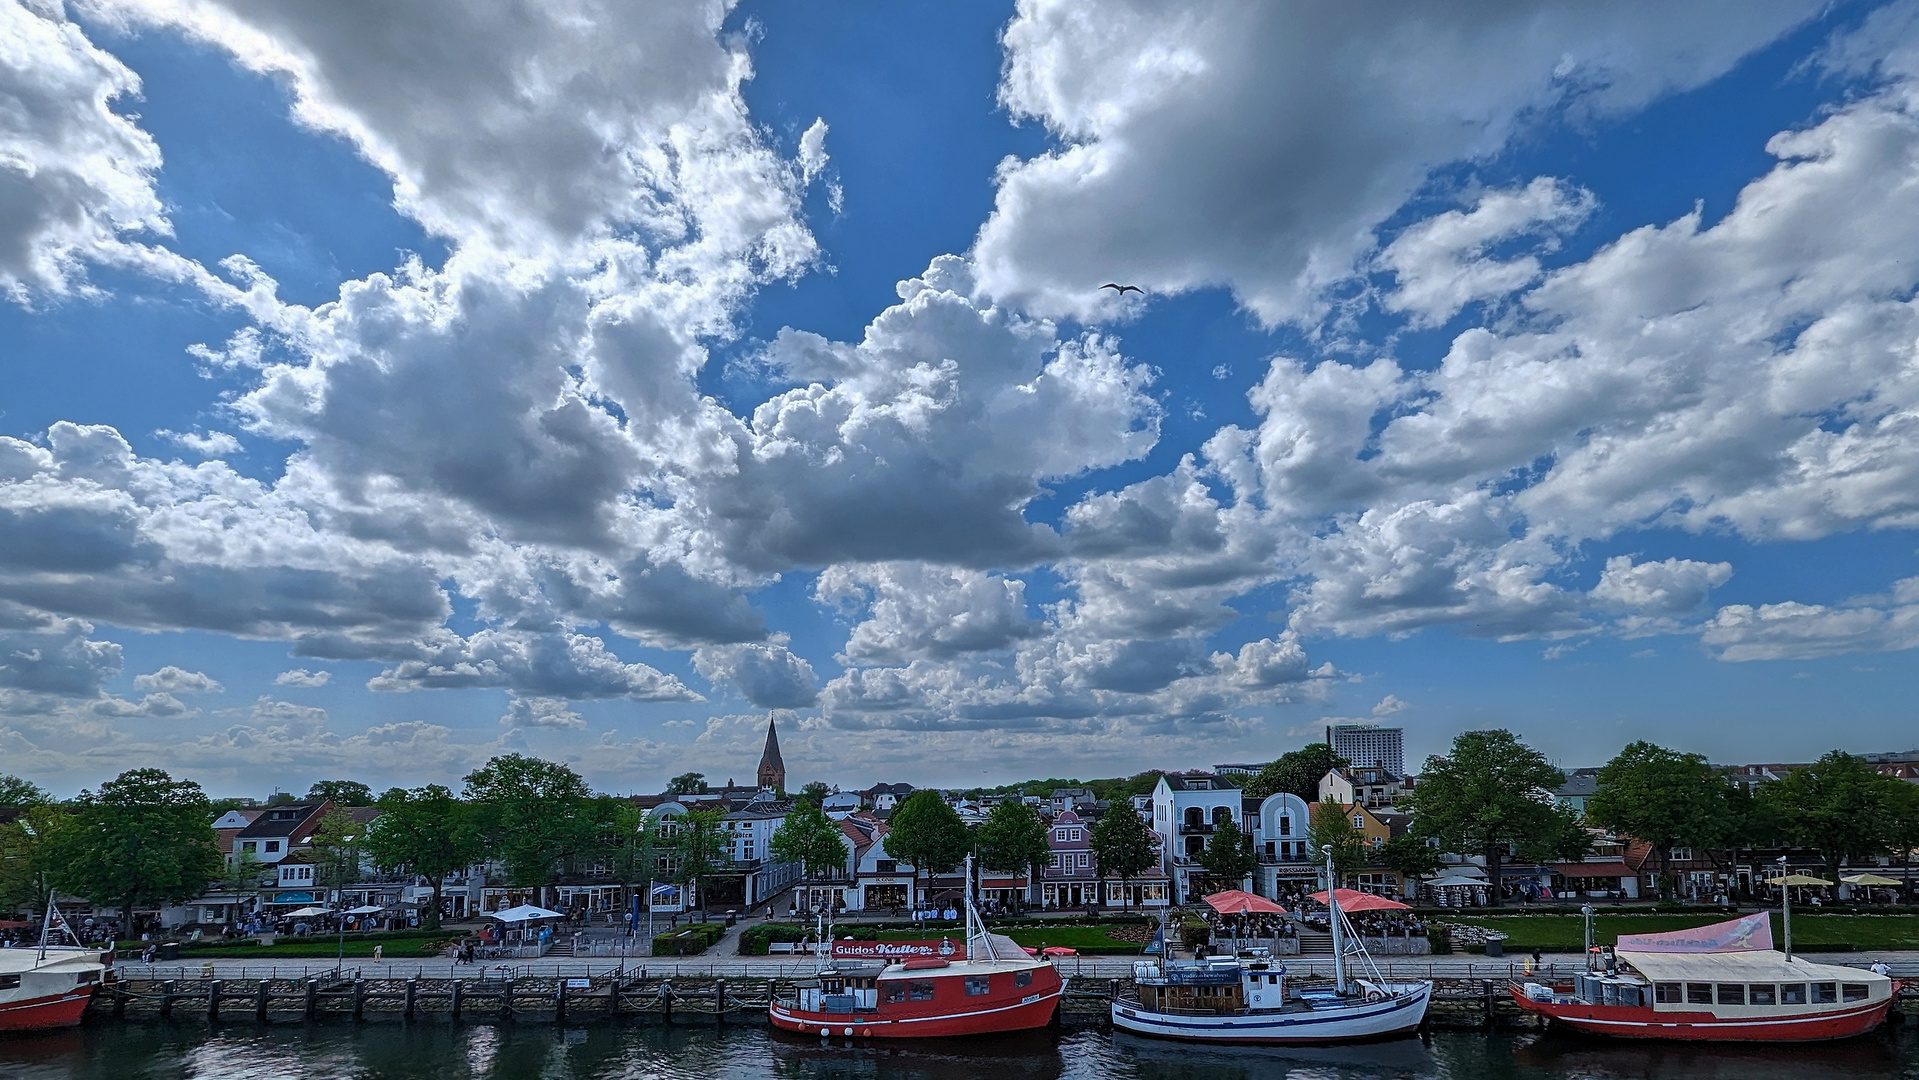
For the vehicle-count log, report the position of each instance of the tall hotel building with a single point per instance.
(1365, 745)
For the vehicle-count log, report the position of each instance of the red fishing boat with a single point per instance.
(48, 986)
(1723, 982)
(925, 990)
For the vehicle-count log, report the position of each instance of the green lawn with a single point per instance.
(1093, 936)
(1564, 933)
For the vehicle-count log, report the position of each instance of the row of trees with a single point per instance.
(145, 838)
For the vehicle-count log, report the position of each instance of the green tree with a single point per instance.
(1839, 806)
(928, 834)
(810, 838)
(341, 793)
(1410, 856)
(426, 832)
(336, 846)
(1297, 771)
(33, 848)
(1331, 830)
(143, 840)
(1228, 857)
(1123, 846)
(15, 791)
(699, 849)
(245, 875)
(1665, 799)
(814, 792)
(1013, 839)
(690, 783)
(532, 815)
(1489, 793)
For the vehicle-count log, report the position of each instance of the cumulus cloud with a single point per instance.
(1668, 587)
(76, 177)
(557, 665)
(1442, 263)
(42, 654)
(541, 712)
(210, 444)
(768, 674)
(173, 680)
(302, 677)
(1795, 631)
(1258, 147)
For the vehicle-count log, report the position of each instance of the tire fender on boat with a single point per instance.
(1374, 997)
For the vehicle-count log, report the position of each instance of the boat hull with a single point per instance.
(45, 1013)
(990, 1017)
(1391, 1018)
(1639, 1022)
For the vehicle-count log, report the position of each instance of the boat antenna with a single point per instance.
(976, 935)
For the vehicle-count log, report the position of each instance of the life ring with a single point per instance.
(1374, 997)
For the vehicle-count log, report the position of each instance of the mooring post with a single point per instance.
(412, 991)
(559, 1002)
(1489, 1003)
(666, 999)
(260, 993)
(459, 988)
(506, 1000)
(213, 1000)
(719, 1002)
(613, 997)
(313, 998)
(359, 997)
(119, 999)
(166, 998)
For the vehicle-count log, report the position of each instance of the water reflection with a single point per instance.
(431, 1051)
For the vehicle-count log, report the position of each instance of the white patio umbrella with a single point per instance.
(306, 913)
(1451, 880)
(523, 913)
(364, 909)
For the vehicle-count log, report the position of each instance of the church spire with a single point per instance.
(772, 766)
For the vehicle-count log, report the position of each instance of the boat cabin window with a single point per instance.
(1667, 994)
(919, 990)
(1732, 993)
(1855, 992)
(1022, 978)
(1825, 993)
(893, 992)
(1792, 993)
(1761, 994)
(9, 982)
(978, 984)
(1699, 993)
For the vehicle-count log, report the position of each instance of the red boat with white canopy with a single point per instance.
(912, 992)
(1723, 982)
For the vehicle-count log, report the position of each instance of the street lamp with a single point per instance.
(339, 959)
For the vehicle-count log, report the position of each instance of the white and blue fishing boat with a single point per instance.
(1227, 999)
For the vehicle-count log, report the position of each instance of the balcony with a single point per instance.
(1196, 830)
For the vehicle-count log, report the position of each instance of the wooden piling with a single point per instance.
(719, 1003)
(506, 1000)
(412, 991)
(166, 998)
(613, 997)
(313, 998)
(459, 989)
(359, 998)
(559, 1002)
(213, 1000)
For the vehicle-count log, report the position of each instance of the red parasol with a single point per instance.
(1351, 900)
(1058, 950)
(1240, 902)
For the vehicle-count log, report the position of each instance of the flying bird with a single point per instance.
(1123, 289)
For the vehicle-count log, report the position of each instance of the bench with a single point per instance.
(784, 946)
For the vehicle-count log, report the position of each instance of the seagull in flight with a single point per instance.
(1123, 289)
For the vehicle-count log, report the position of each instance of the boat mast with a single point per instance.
(976, 926)
(1339, 938)
(1785, 893)
(46, 927)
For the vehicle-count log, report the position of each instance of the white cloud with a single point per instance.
(570, 666)
(302, 677)
(173, 680)
(1442, 263)
(1258, 146)
(1669, 587)
(768, 674)
(76, 177)
(212, 444)
(1794, 631)
(541, 712)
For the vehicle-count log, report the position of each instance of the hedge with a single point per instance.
(689, 940)
(755, 939)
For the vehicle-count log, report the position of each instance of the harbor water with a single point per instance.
(199, 1051)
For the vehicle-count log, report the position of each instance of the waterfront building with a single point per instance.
(1187, 809)
(1286, 863)
(1369, 744)
(1369, 785)
(1070, 879)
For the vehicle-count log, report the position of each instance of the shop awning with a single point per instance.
(1593, 870)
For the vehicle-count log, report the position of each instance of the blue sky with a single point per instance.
(380, 400)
